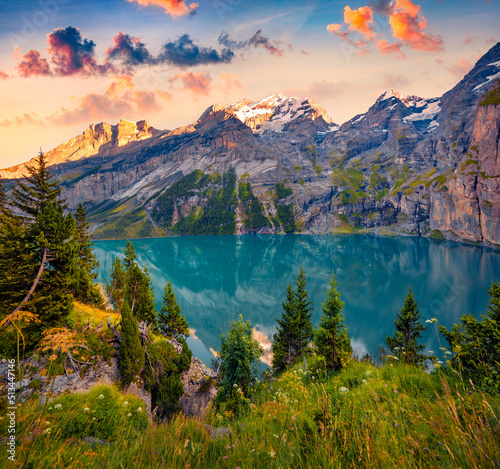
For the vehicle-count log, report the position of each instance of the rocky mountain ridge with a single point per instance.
(409, 166)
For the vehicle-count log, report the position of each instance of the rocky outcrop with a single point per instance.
(199, 383)
(100, 141)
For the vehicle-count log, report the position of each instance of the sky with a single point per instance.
(65, 64)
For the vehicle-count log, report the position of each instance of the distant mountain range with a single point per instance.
(409, 166)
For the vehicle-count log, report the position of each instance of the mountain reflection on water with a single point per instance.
(218, 277)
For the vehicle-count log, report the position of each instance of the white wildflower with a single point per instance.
(272, 453)
(343, 390)
(86, 409)
(139, 409)
(125, 404)
(100, 396)
(129, 415)
(58, 406)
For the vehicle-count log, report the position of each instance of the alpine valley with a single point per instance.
(408, 166)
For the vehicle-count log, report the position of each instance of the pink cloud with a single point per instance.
(229, 82)
(69, 54)
(3, 75)
(172, 7)
(31, 64)
(120, 99)
(395, 81)
(460, 68)
(198, 83)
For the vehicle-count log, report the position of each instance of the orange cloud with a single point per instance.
(198, 83)
(171, 7)
(360, 20)
(119, 100)
(167, 97)
(409, 27)
(229, 82)
(385, 48)
(3, 75)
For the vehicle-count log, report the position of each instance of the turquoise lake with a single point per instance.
(218, 277)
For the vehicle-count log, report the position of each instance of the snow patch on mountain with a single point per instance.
(488, 80)
(427, 110)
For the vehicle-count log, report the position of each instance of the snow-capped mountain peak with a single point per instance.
(274, 113)
(410, 101)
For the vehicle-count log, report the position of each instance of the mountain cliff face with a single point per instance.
(470, 207)
(409, 165)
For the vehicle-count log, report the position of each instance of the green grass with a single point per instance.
(364, 416)
(492, 97)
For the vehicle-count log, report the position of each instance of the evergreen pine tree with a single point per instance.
(131, 355)
(41, 243)
(130, 256)
(131, 284)
(303, 310)
(239, 356)
(476, 343)
(294, 330)
(284, 339)
(115, 290)
(171, 321)
(5, 211)
(404, 342)
(85, 288)
(38, 189)
(331, 338)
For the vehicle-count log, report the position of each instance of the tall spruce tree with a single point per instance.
(32, 195)
(304, 309)
(131, 284)
(409, 328)
(171, 321)
(294, 330)
(331, 338)
(85, 288)
(131, 355)
(41, 242)
(284, 341)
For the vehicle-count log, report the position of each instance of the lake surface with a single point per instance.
(218, 277)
